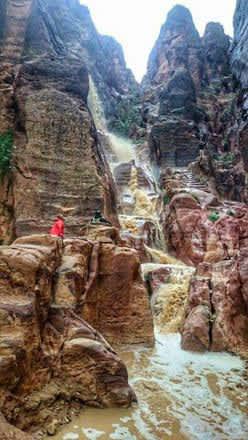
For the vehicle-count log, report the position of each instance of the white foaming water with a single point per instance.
(92, 434)
(96, 107)
(122, 148)
(71, 436)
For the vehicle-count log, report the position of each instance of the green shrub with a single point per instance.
(214, 216)
(226, 158)
(6, 147)
(166, 199)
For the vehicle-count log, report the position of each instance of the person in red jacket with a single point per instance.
(58, 228)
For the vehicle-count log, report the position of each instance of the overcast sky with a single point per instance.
(136, 23)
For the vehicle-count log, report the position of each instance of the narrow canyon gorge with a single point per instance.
(135, 327)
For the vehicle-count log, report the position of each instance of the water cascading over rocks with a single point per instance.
(63, 87)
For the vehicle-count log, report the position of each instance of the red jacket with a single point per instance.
(58, 228)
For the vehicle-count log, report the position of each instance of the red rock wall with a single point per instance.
(58, 164)
(217, 312)
(52, 362)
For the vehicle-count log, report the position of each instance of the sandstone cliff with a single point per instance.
(212, 236)
(48, 49)
(190, 104)
(52, 362)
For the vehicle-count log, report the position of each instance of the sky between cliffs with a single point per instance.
(136, 23)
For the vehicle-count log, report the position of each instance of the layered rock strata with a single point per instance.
(212, 236)
(47, 51)
(102, 282)
(174, 74)
(52, 362)
(192, 106)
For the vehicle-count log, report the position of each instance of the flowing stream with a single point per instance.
(181, 395)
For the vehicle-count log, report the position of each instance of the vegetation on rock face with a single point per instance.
(226, 158)
(214, 216)
(128, 113)
(6, 147)
(166, 199)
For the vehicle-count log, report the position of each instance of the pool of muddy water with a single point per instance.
(181, 395)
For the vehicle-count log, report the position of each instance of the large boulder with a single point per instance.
(103, 282)
(52, 362)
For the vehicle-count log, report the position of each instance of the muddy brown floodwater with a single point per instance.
(181, 395)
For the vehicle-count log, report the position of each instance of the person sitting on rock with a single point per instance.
(58, 228)
(99, 219)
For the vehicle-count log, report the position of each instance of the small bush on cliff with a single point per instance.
(226, 158)
(6, 147)
(229, 157)
(166, 199)
(214, 216)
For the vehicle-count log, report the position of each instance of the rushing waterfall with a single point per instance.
(96, 107)
(181, 395)
(121, 148)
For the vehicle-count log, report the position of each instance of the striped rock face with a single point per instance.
(52, 361)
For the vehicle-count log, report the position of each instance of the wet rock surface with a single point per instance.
(48, 51)
(9, 432)
(52, 361)
(103, 282)
(214, 239)
(191, 104)
(59, 301)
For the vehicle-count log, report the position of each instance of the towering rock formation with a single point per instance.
(71, 29)
(195, 104)
(48, 50)
(239, 65)
(239, 48)
(215, 47)
(174, 74)
(189, 103)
